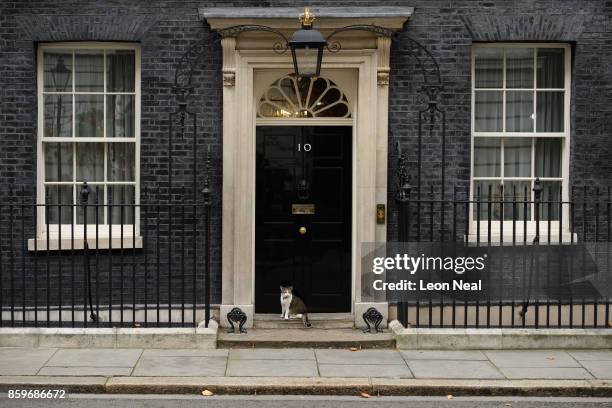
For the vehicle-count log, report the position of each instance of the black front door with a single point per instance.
(303, 216)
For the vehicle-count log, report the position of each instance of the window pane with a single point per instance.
(58, 116)
(56, 197)
(548, 157)
(550, 111)
(89, 71)
(517, 157)
(487, 160)
(57, 68)
(488, 115)
(549, 208)
(120, 116)
(519, 67)
(121, 195)
(121, 162)
(89, 115)
(90, 161)
(58, 161)
(551, 68)
(489, 67)
(519, 111)
(96, 196)
(486, 192)
(517, 193)
(120, 69)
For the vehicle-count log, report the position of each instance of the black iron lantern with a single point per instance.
(60, 75)
(307, 48)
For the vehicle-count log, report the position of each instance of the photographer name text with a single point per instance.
(409, 285)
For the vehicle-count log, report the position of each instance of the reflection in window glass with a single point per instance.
(57, 71)
(89, 71)
(60, 199)
(551, 195)
(517, 157)
(519, 67)
(487, 152)
(551, 68)
(89, 115)
(57, 115)
(519, 111)
(517, 193)
(90, 162)
(548, 157)
(485, 191)
(550, 111)
(120, 119)
(489, 67)
(489, 111)
(58, 161)
(120, 71)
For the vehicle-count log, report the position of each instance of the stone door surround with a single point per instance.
(244, 56)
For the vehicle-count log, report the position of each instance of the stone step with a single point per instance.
(305, 338)
(318, 321)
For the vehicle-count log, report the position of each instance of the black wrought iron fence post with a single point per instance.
(84, 194)
(206, 194)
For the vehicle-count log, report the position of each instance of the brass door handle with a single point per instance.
(302, 230)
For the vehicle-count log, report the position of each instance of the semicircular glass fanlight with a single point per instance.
(298, 97)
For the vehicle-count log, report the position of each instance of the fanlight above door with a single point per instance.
(295, 97)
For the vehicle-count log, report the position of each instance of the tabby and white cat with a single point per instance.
(292, 305)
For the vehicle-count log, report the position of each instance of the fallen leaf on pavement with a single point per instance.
(207, 393)
(353, 349)
(364, 395)
(449, 397)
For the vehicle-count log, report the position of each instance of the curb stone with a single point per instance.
(311, 386)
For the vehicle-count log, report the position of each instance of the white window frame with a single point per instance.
(131, 237)
(496, 225)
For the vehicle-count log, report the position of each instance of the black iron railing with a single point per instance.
(117, 264)
(532, 222)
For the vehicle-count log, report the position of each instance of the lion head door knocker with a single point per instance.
(236, 315)
(372, 318)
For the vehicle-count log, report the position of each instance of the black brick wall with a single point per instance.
(166, 29)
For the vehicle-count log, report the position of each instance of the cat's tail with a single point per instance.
(305, 320)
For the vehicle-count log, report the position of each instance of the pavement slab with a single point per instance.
(360, 357)
(95, 358)
(368, 370)
(269, 368)
(591, 355)
(600, 369)
(185, 353)
(23, 360)
(271, 354)
(443, 355)
(547, 373)
(85, 371)
(180, 366)
(453, 369)
(531, 358)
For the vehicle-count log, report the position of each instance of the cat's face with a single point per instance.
(286, 291)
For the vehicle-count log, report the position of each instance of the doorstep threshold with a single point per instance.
(311, 316)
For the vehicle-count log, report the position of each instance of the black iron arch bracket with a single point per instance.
(197, 53)
(408, 47)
